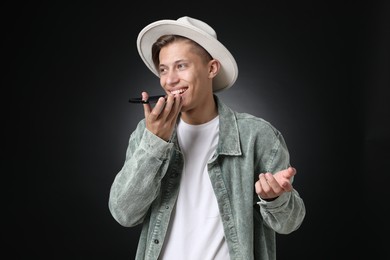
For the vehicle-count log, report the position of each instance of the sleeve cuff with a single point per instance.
(154, 145)
(276, 203)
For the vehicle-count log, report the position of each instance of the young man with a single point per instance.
(207, 183)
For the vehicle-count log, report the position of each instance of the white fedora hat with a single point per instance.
(197, 31)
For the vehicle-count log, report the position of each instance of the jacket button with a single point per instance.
(156, 241)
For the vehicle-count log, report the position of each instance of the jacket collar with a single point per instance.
(229, 138)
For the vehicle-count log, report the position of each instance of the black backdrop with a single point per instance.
(318, 71)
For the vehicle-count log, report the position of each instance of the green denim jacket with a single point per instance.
(146, 188)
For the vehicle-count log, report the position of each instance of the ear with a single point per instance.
(214, 67)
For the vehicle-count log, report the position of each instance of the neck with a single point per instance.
(202, 114)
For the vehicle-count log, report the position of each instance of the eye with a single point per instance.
(182, 66)
(162, 70)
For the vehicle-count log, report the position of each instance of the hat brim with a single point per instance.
(148, 36)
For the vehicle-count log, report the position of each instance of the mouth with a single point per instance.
(178, 91)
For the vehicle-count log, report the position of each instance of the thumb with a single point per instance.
(146, 106)
(289, 172)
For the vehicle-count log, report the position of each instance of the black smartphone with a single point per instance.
(151, 99)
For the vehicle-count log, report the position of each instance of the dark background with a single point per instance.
(318, 71)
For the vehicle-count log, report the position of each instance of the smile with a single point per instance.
(178, 91)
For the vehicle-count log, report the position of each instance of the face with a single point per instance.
(184, 72)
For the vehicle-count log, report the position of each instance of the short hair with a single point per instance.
(171, 38)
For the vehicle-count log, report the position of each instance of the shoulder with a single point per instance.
(254, 123)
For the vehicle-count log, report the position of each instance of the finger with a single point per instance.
(179, 104)
(156, 112)
(286, 173)
(279, 184)
(287, 186)
(264, 182)
(147, 107)
(289, 172)
(273, 183)
(259, 185)
(170, 101)
(266, 191)
(175, 109)
(258, 188)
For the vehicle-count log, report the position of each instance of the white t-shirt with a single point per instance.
(195, 231)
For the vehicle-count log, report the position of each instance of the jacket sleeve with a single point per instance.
(138, 182)
(286, 213)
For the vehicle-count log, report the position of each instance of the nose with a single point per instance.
(172, 77)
